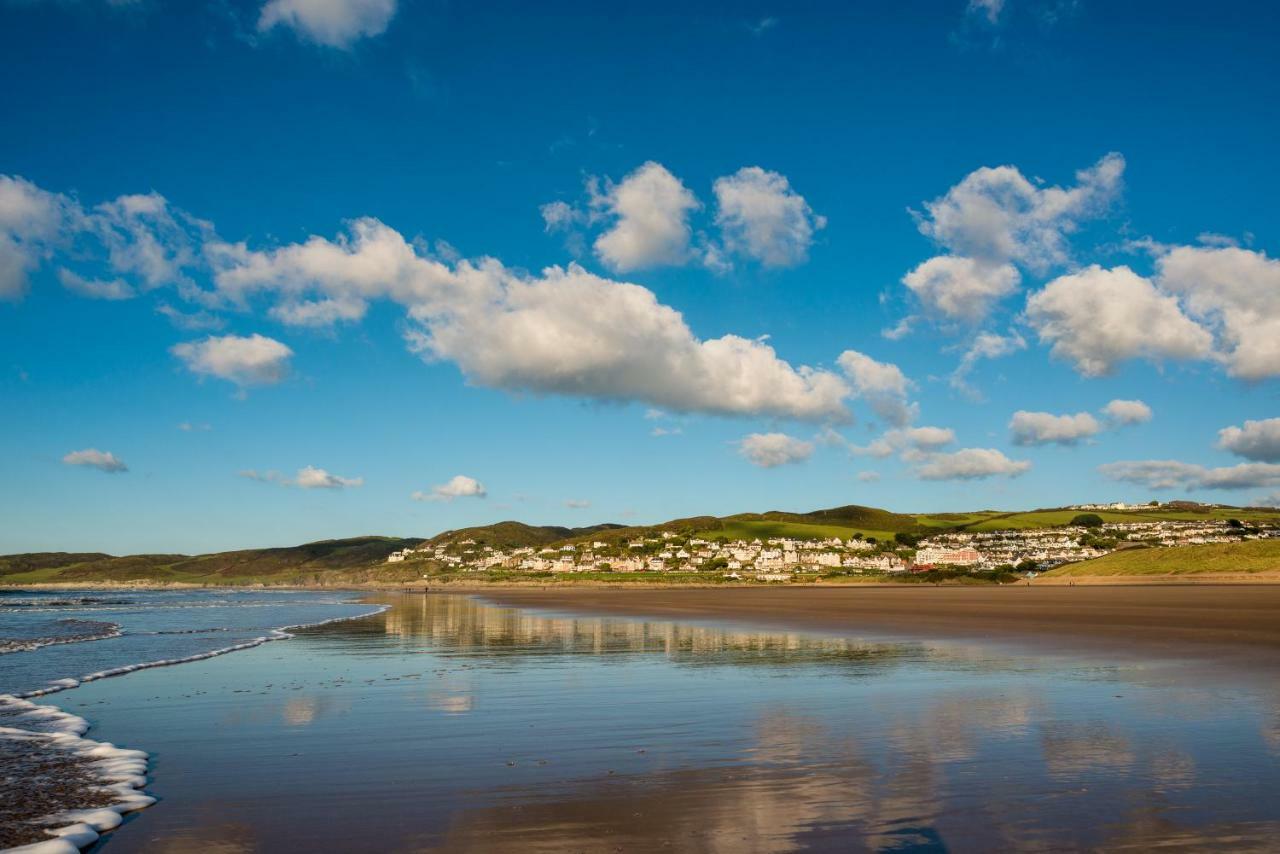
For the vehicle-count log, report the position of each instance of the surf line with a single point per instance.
(121, 771)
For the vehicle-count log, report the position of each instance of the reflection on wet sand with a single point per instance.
(463, 624)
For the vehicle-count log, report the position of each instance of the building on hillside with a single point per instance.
(931, 556)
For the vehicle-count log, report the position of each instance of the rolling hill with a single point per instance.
(359, 559)
(1251, 557)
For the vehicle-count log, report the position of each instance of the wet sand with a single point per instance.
(1234, 620)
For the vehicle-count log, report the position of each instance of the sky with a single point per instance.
(274, 271)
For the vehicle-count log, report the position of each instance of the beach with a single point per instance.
(445, 722)
(1230, 620)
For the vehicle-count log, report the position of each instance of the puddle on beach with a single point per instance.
(445, 724)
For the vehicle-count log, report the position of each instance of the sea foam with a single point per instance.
(121, 772)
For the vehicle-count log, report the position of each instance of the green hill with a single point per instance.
(1247, 557)
(294, 564)
(365, 558)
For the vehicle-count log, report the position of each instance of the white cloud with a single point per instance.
(1122, 412)
(769, 450)
(1237, 293)
(659, 432)
(869, 476)
(245, 361)
(570, 332)
(650, 209)
(958, 288)
(986, 345)
(333, 23)
(308, 477)
(996, 215)
(1044, 428)
(565, 331)
(912, 442)
(458, 486)
(559, 216)
(1174, 474)
(881, 384)
(93, 458)
(189, 427)
(1098, 317)
(760, 216)
(970, 464)
(996, 220)
(1256, 440)
(577, 504)
(105, 289)
(31, 222)
(141, 239)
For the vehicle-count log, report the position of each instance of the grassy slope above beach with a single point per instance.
(363, 560)
(1251, 557)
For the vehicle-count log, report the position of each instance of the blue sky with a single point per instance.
(295, 269)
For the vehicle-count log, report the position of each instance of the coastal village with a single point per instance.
(783, 559)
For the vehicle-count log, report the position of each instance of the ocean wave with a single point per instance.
(93, 631)
(121, 772)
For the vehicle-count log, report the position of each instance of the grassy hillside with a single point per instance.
(364, 558)
(1250, 556)
(510, 534)
(306, 563)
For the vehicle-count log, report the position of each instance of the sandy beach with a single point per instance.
(1196, 619)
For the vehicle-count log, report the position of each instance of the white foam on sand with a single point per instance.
(122, 772)
(36, 643)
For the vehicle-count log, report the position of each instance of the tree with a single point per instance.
(1088, 520)
(1028, 566)
(903, 538)
(1234, 523)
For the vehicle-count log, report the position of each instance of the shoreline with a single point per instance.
(470, 586)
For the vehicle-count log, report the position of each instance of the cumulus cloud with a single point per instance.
(986, 345)
(970, 464)
(1098, 317)
(760, 216)
(308, 477)
(1045, 428)
(245, 361)
(333, 23)
(1236, 292)
(1122, 412)
(1174, 474)
(564, 331)
(769, 450)
(93, 458)
(996, 220)
(1256, 440)
(650, 211)
(458, 486)
(957, 288)
(881, 384)
(911, 442)
(997, 215)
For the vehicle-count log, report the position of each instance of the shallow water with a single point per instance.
(448, 725)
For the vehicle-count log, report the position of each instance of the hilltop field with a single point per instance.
(363, 560)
